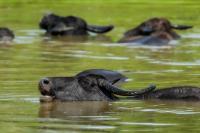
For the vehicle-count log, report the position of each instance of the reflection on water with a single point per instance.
(33, 56)
(63, 109)
(124, 115)
(32, 36)
(78, 39)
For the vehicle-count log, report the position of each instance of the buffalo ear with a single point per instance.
(99, 29)
(181, 27)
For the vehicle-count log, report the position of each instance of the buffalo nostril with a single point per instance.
(45, 81)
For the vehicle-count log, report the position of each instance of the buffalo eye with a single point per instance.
(46, 81)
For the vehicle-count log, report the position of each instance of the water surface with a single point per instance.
(32, 56)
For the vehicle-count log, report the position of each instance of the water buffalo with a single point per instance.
(70, 25)
(89, 85)
(101, 85)
(157, 31)
(6, 35)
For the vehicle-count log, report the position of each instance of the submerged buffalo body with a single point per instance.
(101, 85)
(6, 35)
(69, 25)
(89, 85)
(156, 31)
(173, 93)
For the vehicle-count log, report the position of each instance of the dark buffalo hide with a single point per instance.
(6, 35)
(173, 93)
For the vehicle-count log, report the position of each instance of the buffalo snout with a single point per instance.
(45, 86)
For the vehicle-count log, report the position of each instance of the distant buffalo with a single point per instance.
(89, 85)
(101, 85)
(69, 26)
(6, 35)
(158, 31)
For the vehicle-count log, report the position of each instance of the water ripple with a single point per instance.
(97, 57)
(176, 111)
(171, 63)
(147, 124)
(194, 63)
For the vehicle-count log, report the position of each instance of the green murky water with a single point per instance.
(33, 56)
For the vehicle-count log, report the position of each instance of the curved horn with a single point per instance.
(99, 29)
(181, 27)
(118, 91)
(121, 92)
